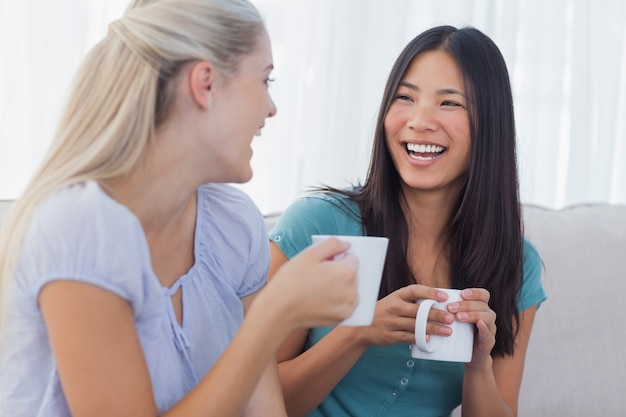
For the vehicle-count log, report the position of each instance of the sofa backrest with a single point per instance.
(4, 208)
(576, 361)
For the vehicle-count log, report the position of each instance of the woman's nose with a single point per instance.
(273, 109)
(422, 118)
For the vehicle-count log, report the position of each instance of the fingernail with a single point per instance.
(445, 331)
(462, 316)
(442, 295)
(467, 293)
(453, 307)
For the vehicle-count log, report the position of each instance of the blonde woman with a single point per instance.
(127, 265)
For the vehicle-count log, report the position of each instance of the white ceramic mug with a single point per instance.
(454, 348)
(371, 252)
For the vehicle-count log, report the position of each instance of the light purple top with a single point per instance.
(80, 233)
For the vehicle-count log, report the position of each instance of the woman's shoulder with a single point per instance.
(227, 199)
(82, 209)
(324, 203)
(80, 232)
(531, 255)
(230, 223)
(533, 292)
(229, 206)
(315, 213)
(228, 217)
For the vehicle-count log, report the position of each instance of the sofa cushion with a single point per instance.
(4, 208)
(575, 365)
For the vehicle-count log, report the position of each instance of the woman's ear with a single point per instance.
(201, 80)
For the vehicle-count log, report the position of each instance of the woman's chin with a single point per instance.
(243, 177)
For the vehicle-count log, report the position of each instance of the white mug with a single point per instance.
(371, 252)
(456, 347)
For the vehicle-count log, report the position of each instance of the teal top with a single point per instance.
(386, 380)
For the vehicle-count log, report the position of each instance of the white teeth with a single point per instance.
(413, 147)
(423, 158)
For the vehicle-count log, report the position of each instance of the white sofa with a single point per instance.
(576, 361)
(4, 207)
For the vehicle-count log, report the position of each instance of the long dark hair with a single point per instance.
(485, 236)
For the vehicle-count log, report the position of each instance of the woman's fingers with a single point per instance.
(414, 292)
(477, 294)
(323, 291)
(474, 307)
(327, 249)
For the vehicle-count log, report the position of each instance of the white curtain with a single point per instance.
(42, 43)
(567, 61)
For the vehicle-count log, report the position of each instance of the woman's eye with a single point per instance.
(450, 103)
(403, 97)
(268, 81)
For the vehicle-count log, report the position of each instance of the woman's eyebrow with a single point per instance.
(441, 92)
(445, 91)
(408, 85)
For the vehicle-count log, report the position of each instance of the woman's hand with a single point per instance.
(317, 290)
(394, 317)
(475, 309)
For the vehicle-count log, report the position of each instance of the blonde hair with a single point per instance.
(122, 93)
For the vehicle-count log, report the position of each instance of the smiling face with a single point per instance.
(427, 125)
(240, 106)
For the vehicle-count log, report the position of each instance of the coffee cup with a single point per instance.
(456, 347)
(371, 252)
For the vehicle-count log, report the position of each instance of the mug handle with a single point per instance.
(420, 327)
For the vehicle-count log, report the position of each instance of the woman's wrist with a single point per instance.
(272, 313)
(353, 335)
(485, 366)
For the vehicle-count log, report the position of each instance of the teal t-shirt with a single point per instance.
(386, 380)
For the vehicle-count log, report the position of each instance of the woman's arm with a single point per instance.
(103, 371)
(98, 354)
(267, 398)
(308, 377)
(100, 360)
(492, 388)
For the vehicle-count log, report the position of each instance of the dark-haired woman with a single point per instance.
(442, 186)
